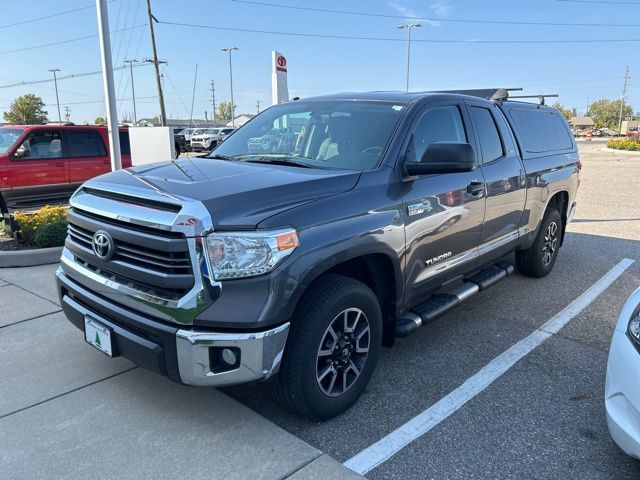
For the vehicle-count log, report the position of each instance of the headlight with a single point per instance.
(634, 329)
(247, 254)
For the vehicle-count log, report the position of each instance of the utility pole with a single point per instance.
(213, 102)
(133, 89)
(109, 87)
(55, 82)
(408, 27)
(67, 113)
(586, 113)
(258, 106)
(622, 99)
(193, 96)
(233, 115)
(156, 63)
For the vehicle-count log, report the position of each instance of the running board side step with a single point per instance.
(441, 303)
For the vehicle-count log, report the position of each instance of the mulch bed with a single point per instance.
(8, 244)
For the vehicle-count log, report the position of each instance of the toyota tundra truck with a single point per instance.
(382, 212)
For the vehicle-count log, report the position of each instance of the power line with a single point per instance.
(62, 42)
(388, 39)
(63, 77)
(438, 19)
(610, 2)
(45, 17)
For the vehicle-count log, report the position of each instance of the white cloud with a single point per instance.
(440, 9)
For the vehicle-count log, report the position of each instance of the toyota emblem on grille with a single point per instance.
(102, 245)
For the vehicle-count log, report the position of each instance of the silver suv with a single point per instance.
(208, 138)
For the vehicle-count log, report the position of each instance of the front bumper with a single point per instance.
(186, 356)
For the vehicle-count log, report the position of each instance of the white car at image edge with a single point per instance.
(622, 390)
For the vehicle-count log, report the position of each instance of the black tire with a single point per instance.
(539, 259)
(306, 359)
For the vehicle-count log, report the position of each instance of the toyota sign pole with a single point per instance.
(109, 90)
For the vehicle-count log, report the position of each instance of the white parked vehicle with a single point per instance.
(187, 132)
(622, 390)
(208, 138)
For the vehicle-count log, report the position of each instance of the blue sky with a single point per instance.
(577, 72)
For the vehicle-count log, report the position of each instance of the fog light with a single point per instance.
(229, 356)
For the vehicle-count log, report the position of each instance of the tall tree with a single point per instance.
(224, 111)
(26, 110)
(606, 113)
(100, 121)
(567, 113)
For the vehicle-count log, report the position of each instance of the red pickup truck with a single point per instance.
(44, 164)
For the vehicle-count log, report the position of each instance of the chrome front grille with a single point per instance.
(144, 257)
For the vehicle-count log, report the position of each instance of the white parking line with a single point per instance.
(388, 446)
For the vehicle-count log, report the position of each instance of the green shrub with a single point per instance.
(51, 234)
(30, 223)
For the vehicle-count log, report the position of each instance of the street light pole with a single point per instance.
(133, 89)
(233, 116)
(55, 82)
(109, 88)
(408, 27)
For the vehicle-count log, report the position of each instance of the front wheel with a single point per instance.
(332, 348)
(539, 259)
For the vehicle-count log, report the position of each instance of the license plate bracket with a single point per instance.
(98, 335)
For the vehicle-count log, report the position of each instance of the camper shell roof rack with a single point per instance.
(499, 94)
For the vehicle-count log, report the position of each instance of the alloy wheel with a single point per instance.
(343, 352)
(550, 244)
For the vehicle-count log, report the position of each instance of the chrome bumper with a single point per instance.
(260, 355)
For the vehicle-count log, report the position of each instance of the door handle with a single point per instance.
(475, 188)
(60, 164)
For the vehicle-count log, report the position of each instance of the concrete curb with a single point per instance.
(631, 153)
(30, 258)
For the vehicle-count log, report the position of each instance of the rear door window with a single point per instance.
(490, 141)
(125, 146)
(541, 131)
(84, 143)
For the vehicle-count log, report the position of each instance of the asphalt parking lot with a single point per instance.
(67, 411)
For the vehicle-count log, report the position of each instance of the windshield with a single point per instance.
(349, 135)
(8, 137)
(212, 131)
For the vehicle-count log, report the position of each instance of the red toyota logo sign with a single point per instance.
(281, 63)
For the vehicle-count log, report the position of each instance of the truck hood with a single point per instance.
(238, 195)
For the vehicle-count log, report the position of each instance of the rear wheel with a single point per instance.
(539, 259)
(332, 348)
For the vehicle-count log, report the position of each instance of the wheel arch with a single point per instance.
(560, 201)
(379, 272)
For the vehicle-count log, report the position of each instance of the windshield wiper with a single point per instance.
(218, 156)
(277, 161)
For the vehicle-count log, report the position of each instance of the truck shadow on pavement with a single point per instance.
(550, 405)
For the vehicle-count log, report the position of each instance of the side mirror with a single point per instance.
(444, 157)
(20, 152)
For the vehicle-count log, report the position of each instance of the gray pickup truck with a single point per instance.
(374, 214)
